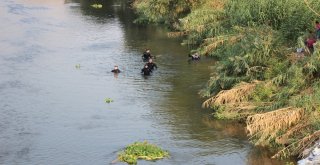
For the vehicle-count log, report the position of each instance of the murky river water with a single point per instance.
(52, 112)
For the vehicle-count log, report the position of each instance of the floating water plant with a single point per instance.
(108, 100)
(141, 150)
(78, 66)
(97, 6)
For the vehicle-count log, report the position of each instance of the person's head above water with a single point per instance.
(148, 50)
(145, 66)
(116, 67)
(150, 60)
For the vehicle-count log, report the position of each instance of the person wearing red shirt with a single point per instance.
(310, 41)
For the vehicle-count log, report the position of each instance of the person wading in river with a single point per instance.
(151, 65)
(146, 55)
(146, 71)
(116, 69)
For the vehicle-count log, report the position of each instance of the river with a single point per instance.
(55, 63)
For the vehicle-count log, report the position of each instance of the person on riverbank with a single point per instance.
(116, 69)
(151, 65)
(317, 26)
(146, 70)
(310, 42)
(146, 55)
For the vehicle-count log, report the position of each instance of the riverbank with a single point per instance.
(259, 77)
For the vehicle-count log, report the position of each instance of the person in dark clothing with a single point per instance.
(151, 65)
(146, 71)
(195, 56)
(116, 69)
(146, 55)
(317, 30)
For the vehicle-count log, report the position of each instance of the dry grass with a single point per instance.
(308, 5)
(302, 138)
(266, 126)
(295, 131)
(236, 111)
(294, 57)
(299, 147)
(216, 4)
(234, 96)
(210, 44)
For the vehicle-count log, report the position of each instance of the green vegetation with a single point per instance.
(141, 150)
(78, 66)
(108, 100)
(259, 76)
(97, 6)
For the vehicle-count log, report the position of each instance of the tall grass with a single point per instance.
(254, 41)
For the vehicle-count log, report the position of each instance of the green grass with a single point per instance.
(141, 150)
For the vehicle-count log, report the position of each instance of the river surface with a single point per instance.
(55, 63)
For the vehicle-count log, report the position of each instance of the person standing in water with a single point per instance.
(195, 56)
(151, 65)
(146, 70)
(146, 55)
(116, 69)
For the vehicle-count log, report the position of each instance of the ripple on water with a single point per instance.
(21, 9)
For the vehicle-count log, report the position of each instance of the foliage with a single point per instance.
(254, 41)
(141, 150)
(162, 11)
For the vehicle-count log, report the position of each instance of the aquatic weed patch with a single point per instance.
(77, 66)
(108, 100)
(141, 150)
(97, 6)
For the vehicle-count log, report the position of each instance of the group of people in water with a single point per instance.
(313, 37)
(148, 67)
